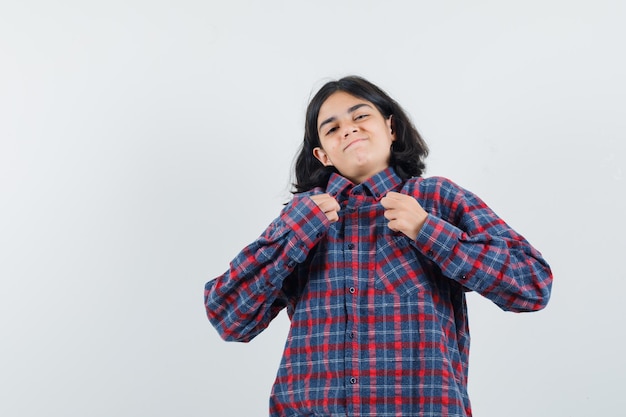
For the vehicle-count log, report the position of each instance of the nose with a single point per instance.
(349, 129)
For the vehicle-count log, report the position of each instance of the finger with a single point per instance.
(321, 199)
(393, 195)
(393, 199)
(389, 214)
(333, 204)
(330, 205)
(388, 202)
(317, 198)
(393, 225)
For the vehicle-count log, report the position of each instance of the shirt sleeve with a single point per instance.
(476, 248)
(242, 302)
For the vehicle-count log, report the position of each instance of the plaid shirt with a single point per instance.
(378, 321)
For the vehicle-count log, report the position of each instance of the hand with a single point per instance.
(404, 213)
(328, 205)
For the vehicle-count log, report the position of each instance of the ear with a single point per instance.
(322, 156)
(390, 125)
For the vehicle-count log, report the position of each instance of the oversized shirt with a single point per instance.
(378, 320)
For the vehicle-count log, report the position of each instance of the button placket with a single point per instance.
(351, 252)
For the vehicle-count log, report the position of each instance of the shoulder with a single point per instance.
(439, 196)
(304, 194)
(432, 187)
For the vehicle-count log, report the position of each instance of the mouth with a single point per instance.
(353, 142)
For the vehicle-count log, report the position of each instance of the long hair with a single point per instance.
(407, 153)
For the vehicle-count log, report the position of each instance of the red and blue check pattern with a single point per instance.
(378, 321)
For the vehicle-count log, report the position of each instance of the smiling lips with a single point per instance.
(353, 142)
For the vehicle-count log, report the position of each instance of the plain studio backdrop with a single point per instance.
(144, 143)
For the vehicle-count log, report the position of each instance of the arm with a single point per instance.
(241, 302)
(476, 248)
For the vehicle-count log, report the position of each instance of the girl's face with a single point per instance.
(355, 137)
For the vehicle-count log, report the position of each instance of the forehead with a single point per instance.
(339, 103)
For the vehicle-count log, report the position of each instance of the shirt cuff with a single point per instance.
(437, 240)
(308, 224)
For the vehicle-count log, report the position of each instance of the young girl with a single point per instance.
(372, 262)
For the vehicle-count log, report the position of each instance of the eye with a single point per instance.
(361, 116)
(331, 130)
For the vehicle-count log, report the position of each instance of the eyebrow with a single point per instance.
(350, 110)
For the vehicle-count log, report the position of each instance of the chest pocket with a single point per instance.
(399, 268)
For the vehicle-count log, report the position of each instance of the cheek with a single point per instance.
(329, 144)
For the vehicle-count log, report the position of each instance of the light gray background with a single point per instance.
(144, 143)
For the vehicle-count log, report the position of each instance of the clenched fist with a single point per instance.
(328, 205)
(404, 213)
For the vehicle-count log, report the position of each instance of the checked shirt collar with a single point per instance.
(376, 186)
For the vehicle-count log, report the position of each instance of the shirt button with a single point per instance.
(350, 246)
(357, 192)
(353, 380)
(430, 253)
(351, 335)
(352, 290)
